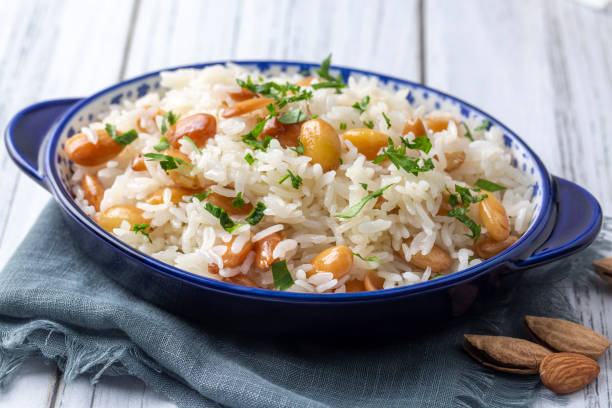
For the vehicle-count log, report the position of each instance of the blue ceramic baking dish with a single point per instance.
(567, 219)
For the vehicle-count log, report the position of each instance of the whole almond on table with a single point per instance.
(563, 335)
(506, 354)
(604, 268)
(567, 372)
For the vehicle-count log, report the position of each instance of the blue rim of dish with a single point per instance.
(509, 255)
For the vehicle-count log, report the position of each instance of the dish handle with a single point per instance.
(577, 224)
(25, 134)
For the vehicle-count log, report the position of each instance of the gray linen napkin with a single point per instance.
(57, 303)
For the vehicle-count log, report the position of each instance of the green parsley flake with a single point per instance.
(167, 162)
(484, 125)
(323, 73)
(252, 138)
(362, 105)
(279, 92)
(192, 143)
(468, 134)
(421, 143)
(369, 259)
(201, 196)
(257, 214)
(299, 149)
(369, 124)
(322, 85)
(460, 214)
(387, 120)
(142, 229)
(364, 186)
(123, 139)
(296, 181)
(249, 159)
(342, 126)
(163, 145)
(294, 116)
(272, 110)
(224, 219)
(489, 185)
(401, 161)
(281, 275)
(168, 119)
(238, 202)
(354, 210)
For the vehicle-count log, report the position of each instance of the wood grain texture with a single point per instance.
(545, 70)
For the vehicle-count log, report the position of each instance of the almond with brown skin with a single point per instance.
(505, 353)
(604, 268)
(563, 335)
(567, 372)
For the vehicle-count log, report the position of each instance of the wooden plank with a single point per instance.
(544, 70)
(529, 68)
(34, 386)
(51, 62)
(358, 33)
(48, 51)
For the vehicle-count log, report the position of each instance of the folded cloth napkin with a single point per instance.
(56, 302)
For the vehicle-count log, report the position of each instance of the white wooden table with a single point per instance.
(542, 67)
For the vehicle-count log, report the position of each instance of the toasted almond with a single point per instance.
(506, 354)
(604, 268)
(246, 106)
(567, 372)
(563, 335)
(454, 160)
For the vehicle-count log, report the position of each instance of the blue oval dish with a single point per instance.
(567, 219)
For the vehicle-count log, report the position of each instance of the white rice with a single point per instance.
(187, 236)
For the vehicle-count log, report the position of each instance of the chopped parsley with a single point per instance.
(461, 200)
(201, 196)
(238, 202)
(489, 185)
(252, 138)
(299, 149)
(272, 110)
(257, 214)
(163, 145)
(323, 73)
(468, 134)
(369, 124)
(142, 229)
(294, 116)
(167, 162)
(168, 119)
(192, 143)
(321, 85)
(460, 213)
(279, 92)
(484, 125)
(123, 139)
(342, 126)
(421, 143)
(281, 275)
(361, 106)
(354, 210)
(224, 219)
(296, 181)
(364, 186)
(249, 159)
(387, 120)
(401, 161)
(369, 259)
